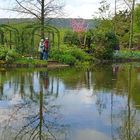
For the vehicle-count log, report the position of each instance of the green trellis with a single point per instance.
(12, 31)
(34, 28)
(1, 37)
(10, 35)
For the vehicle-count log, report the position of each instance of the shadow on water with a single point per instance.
(101, 103)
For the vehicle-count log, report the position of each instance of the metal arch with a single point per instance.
(58, 33)
(34, 27)
(2, 37)
(24, 31)
(49, 29)
(11, 29)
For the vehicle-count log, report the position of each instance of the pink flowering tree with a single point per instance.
(80, 26)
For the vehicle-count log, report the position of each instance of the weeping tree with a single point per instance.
(39, 9)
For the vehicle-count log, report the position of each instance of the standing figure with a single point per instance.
(46, 49)
(41, 48)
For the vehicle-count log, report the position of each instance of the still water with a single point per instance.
(101, 103)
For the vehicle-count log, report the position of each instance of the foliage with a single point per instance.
(90, 35)
(122, 25)
(104, 9)
(8, 55)
(30, 61)
(68, 55)
(71, 38)
(77, 38)
(127, 54)
(105, 44)
(136, 39)
(137, 17)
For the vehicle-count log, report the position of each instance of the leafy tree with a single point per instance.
(105, 44)
(132, 25)
(131, 5)
(122, 26)
(137, 17)
(71, 38)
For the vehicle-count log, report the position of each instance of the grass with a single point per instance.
(30, 62)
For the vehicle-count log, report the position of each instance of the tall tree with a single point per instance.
(40, 9)
(122, 26)
(132, 24)
(131, 5)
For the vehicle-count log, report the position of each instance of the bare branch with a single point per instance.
(128, 4)
(27, 10)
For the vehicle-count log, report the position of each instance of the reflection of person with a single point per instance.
(46, 48)
(115, 69)
(41, 48)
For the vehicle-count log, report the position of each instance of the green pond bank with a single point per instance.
(32, 63)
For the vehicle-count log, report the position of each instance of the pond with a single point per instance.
(100, 103)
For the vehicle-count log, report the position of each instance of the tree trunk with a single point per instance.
(115, 13)
(42, 19)
(131, 26)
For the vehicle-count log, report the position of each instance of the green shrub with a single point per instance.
(71, 38)
(79, 54)
(8, 55)
(68, 55)
(105, 43)
(3, 52)
(67, 59)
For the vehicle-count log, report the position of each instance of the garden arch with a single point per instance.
(1, 37)
(50, 30)
(12, 32)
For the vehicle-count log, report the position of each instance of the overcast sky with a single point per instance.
(73, 8)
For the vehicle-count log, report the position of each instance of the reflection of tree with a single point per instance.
(71, 77)
(129, 128)
(42, 123)
(37, 128)
(88, 78)
(103, 78)
(124, 121)
(101, 103)
(57, 89)
(1, 84)
(1, 90)
(38, 125)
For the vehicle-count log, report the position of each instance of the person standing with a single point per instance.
(41, 48)
(46, 48)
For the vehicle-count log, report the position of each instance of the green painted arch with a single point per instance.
(1, 37)
(34, 27)
(24, 32)
(49, 29)
(11, 30)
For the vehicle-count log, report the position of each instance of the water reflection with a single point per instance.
(101, 103)
(32, 115)
(129, 128)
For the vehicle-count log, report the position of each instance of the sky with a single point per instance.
(81, 8)
(73, 8)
